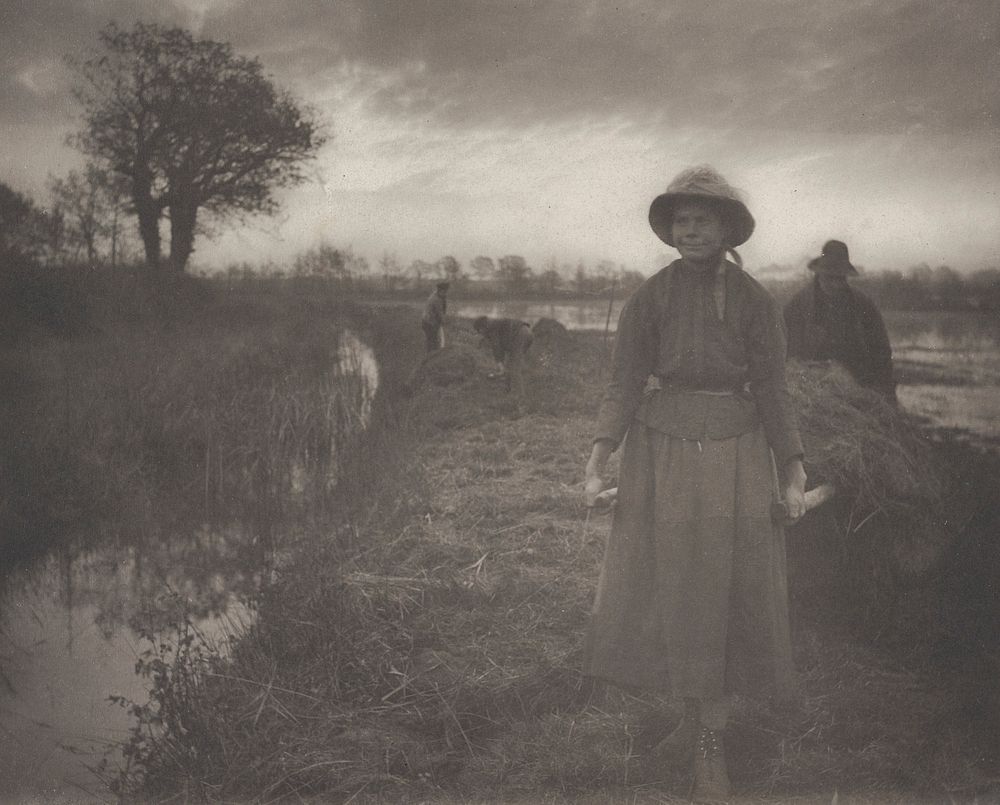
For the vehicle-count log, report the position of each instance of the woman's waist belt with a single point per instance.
(712, 392)
(657, 383)
(699, 413)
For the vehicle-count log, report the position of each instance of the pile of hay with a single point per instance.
(446, 367)
(549, 328)
(872, 452)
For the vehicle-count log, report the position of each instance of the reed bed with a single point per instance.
(211, 408)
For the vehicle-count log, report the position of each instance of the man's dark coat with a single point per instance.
(848, 329)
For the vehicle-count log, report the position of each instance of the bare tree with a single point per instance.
(357, 265)
(450, 268)
(483, 267)
(322, 261)
(514, 272)
(21, 225)
(389, 266)
(420, 269)
(192, 127)
(549, 281)
(91, 203)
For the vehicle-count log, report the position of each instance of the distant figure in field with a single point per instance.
(509, 341)
(829, 320)
(433, 319)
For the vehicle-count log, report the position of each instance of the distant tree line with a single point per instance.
(920, 287)
(86, 220)
(510, 275)
(940, 288)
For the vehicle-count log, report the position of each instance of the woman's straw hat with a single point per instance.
(701, 182)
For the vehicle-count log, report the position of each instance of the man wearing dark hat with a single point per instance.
(433, 319)
(829, 320)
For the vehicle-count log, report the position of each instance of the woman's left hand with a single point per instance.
(795, 490)
(593, 481)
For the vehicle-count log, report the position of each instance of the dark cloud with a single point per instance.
(37, 36)
(798, 65)
(808, 65)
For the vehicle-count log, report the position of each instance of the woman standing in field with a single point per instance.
(692, 595)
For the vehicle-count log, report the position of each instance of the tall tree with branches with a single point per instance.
(192, 127)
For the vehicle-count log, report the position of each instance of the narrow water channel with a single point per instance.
(74, 626)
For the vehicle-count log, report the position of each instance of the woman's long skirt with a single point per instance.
(692, 597)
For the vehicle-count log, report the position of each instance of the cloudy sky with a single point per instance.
(545, 127)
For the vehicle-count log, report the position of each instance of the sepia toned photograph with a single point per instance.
(500, 402)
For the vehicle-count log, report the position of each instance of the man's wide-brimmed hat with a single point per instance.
(833, 260)
(701, 183)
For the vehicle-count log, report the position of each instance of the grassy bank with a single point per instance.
(136, 407)
(423, 646)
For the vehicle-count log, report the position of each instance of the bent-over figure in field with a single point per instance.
(509, 341)
(692, 598)
(432, 322)
(829, 320)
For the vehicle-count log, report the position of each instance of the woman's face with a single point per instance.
(699, 232)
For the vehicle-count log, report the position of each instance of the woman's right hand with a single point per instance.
(593, 485)
(593, 480)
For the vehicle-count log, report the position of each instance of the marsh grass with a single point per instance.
(202, 404)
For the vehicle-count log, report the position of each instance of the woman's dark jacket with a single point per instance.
(670, 328)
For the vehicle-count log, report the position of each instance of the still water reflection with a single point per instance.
(948, 364)
(588, 315)
(70, 638)
(72, 627)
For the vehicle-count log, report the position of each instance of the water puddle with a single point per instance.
(73, 627)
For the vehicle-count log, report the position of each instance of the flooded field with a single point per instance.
(948, 366)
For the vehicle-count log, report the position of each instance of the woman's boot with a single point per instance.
(661, 755)
(711, 778)
(679, 745)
